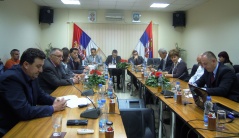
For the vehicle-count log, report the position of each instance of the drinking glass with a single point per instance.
(56, 124)
(221, 120)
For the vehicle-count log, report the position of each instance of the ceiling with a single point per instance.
(132, 5)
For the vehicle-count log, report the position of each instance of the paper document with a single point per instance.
(74, 101)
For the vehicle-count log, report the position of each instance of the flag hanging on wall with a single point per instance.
(84, 43)
(145, 45)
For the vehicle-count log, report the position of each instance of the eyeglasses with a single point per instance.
(58, 56)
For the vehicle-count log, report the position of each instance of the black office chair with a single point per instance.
(234, 94)
(138, 122)
(194, 69)
(236, 68)
(154, 62)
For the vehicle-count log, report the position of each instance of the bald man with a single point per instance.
(199, 72)
(218, 77)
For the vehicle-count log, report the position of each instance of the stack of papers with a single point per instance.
(74, 101)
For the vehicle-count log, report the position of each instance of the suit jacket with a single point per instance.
(140, 60)
(89, 60)
(19, 96)
(168, 64)
(75, 66)
(66, 71)
(179, 70)
(221, 86)
(110, 58)
(52, 77)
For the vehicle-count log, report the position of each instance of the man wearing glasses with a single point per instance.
(93, 58)
(52, 77)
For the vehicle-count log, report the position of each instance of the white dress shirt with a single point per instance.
(197, 75)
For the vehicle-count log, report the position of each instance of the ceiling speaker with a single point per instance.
(179, 19)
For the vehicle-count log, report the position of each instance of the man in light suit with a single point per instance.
(93, 58)
(52, 76)
(218, 77)
(114, 59)
(165, 62)
(20, 94)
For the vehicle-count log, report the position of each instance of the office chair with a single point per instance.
(234, 93)
(138, 122)
(194, 69)
(154, 62)
(236, 68)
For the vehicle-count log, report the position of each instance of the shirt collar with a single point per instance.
(52, 62)
(215, 70)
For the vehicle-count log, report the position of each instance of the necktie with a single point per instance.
(113, 60)
(163, 62)
(212, 78)
(136, 61)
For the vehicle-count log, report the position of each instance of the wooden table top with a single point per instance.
(191, 113)
(42, 127)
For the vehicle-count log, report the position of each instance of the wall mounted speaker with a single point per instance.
(46, 15)
(179, 19)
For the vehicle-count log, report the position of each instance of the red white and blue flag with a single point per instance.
(145, 45)
(84, 43)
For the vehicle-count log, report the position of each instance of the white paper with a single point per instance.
(74, 101)
(112, 66)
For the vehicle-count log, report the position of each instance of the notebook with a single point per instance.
(199, 95)
(167, 94)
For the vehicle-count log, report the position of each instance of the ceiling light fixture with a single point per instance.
(76, 2)
(159, 5)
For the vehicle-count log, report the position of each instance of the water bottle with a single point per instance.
(207, 108)
(103, 117)
(110, 88)
(177, 89)
(160, 83)
(105, 72)
(100, 97)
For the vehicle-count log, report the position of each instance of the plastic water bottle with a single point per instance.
(160, 83)
(110, 88)
(105, 72)
(103, 117)
(177, 89)
(207, 108)
(100, 96)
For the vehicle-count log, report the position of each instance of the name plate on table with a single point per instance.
(112, 66)
(92, 66)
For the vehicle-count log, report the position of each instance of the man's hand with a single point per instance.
(77, 60)
(75, 80)
(59, 104)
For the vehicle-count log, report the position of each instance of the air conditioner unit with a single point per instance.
(114, 16)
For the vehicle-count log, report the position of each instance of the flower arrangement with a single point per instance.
(95, 78)
(122, 64)
(153, 81)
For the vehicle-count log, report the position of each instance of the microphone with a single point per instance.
(84, 93)
(93, 113)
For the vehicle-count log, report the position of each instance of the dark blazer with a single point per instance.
(75, 66)
(168, 65)
(109, 60)
(19, 101)
(222, 83)
(140, 60)
(52, 77)
(180, 71)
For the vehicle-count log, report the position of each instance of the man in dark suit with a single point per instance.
(20, 94)
(165, 62)
(218, 77)
(114, 59)
(52, 76)
(75, 62)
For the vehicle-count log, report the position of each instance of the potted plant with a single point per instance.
(95, 78)
(153, 81)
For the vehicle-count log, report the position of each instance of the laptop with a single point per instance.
(167, 94)
(199, 95)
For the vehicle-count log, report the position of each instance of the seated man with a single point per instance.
(75, 63)
(14, 59)
(199, 72)
(52, 76)
(218, 77)
(166, 62)
(114, 59)
(93, 58)
(20, 94)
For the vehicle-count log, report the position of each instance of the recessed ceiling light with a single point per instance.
(159, 5)
(77, 2)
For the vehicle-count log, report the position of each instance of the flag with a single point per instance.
(145, 45)
(84, 43)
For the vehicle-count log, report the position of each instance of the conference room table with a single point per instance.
(42, 127)
(191, 114)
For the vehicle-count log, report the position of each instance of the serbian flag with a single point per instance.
(145, 45)
(84, 43)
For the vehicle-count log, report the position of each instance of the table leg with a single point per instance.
(173, 124)
(160, 119)
(123, 80)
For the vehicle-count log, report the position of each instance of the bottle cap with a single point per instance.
(209, 98)
(100, 85)
(178, 82)
(110, 79)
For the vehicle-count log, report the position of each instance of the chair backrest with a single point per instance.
(153, 61)
(234, 93)
(138, 122)
(236, 68)
(1, 68)
(194, 69)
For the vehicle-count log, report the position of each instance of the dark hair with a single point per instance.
(31, 54)
(92, 49)
(14, 50)
(65, 54)
(114, 51)
(225, 56)
(72, 49)
(174, 52)
(134, 51)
